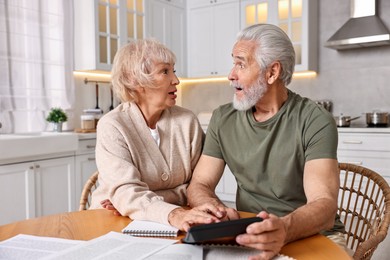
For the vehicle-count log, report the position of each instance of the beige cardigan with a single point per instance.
(142, 180)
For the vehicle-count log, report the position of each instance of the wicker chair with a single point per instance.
(364, 208)
(89, 187)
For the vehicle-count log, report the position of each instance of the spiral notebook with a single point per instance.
(143, 228)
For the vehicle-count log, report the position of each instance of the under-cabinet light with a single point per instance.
(202, 80)
(303, 74)
(92, 74)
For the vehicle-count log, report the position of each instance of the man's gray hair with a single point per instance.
(273, 44)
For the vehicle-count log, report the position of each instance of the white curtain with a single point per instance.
(36, 62)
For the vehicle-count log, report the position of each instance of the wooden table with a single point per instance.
(89, 224)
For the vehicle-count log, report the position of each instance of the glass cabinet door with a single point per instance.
(298, 18)
(119, 21)
(135, 16)
(256, 12)
(290, 20)
(108, 30)
(102, 27)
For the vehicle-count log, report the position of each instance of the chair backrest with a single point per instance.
(89, 187)
(364, 208)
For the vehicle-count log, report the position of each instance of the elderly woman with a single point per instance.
(147, 147)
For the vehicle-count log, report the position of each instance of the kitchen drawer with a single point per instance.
(377, 162)
(86, 146)
(364, 142)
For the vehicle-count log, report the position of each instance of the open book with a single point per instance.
(144, 228)
(116, 246)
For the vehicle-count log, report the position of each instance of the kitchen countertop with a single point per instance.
(22, 147)
(83, 136)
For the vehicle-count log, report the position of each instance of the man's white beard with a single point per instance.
(250, 96)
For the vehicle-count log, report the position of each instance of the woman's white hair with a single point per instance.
(133, 67)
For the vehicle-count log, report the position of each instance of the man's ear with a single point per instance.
(273, 72)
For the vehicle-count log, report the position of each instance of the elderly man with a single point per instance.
(280, 147)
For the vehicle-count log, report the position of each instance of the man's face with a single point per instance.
(246, 77)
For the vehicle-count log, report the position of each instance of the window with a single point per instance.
(36, 62)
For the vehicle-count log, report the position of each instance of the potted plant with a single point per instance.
(57, 116)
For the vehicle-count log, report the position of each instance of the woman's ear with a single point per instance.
(139, 89)
(274, 72)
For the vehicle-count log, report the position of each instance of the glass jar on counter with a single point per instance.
(87, 122)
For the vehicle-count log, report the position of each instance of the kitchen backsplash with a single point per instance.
(86, 96)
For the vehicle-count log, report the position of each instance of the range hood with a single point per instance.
(363, 29)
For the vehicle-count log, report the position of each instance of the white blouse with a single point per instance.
(155, 135)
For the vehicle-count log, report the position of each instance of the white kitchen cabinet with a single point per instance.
(37, 188)
(370, 150)
(166, 22)
(177, 3)
(203, 3)
(101, 27)
(212, 30)
(298, 18)
(85, 166)
(16, 192)
(54, 186)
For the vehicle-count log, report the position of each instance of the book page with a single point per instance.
(116, 246)
(232, 252)
(33, 247)
(178, 252)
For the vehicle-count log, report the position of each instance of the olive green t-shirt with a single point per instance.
(268, 158)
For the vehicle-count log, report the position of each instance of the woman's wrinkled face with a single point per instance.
(163, 92)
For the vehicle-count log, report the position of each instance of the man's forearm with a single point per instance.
(199, 194)
(310, 219)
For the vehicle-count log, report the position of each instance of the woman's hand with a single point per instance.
(204, 214)
(108, 205)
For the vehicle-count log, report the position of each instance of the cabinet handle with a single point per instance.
(31, 167)
(91, 159)
(352, 142)
(37, 166)
(91, 146)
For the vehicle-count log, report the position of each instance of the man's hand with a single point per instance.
(108, 205)
(268, 236)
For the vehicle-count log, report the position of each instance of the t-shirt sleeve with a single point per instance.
(321, 137)
(212, 144)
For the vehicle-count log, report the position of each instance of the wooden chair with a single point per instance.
(364, 208)
(89, 187)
